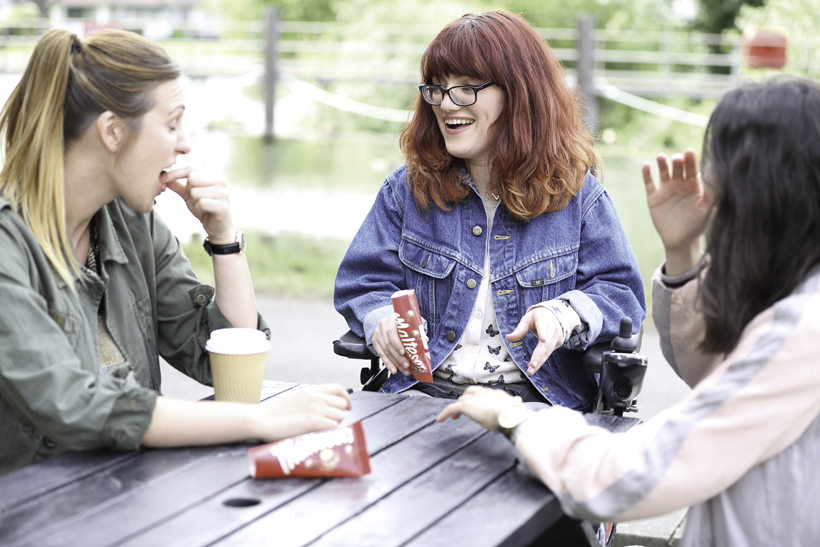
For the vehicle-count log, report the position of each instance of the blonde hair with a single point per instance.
(67, 84)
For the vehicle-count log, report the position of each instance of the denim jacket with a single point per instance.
(579, 254)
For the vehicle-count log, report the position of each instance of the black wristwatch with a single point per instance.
(511, 418)
(237, 246)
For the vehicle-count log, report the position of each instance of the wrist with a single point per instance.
(680, 260)
(235, 245)
(512, 417)
(223, 237)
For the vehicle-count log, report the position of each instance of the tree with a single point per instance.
(718, 15)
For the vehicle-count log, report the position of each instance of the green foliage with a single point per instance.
(718, 15)
(627, 132)
(611, 14)
(291, 264)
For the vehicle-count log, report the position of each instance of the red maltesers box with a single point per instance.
(337, 452)
(411, 333)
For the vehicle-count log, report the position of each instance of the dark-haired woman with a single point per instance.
(739, 324)
(497, 222)
(93, 285)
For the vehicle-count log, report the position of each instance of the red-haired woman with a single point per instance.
(498, 223)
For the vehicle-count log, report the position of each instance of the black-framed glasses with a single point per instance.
(462, 95)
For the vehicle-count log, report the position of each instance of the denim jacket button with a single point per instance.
(451, 336)
(477, 231)
(471, 283)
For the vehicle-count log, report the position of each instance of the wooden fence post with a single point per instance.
(271, 54)
(585, 67)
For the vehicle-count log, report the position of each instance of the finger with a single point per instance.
(663, 169)
(336, 395)
(690, 164)
(179, 188)
(450, 411)
(649, 184)
(396, 349)
(539, 356)
(391, 367)
(677, 166)
(521, 329)
(176, 174)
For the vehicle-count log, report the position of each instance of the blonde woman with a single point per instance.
(94, 286)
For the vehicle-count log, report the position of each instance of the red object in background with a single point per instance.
(411, 332)
(338, 452)
(763, 48)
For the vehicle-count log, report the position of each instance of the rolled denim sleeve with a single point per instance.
(609, 285)
(371, 270)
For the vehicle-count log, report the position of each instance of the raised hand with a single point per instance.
(546, 326)
(680, 207)
(206, 196)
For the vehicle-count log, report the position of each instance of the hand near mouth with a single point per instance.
(206, 196)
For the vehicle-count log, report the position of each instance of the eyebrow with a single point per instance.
(182, 106)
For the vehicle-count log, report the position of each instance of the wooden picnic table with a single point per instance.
(431, 484)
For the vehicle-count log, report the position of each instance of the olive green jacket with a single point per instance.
(52, 397)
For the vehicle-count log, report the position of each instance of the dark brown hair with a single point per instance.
(762, 156)
(541, 150)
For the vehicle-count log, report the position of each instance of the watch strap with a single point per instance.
(237, 247)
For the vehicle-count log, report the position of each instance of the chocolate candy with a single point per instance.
(338, 452)
(411, 332)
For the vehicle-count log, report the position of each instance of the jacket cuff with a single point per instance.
(130, 417)
(675, 281)
(567, 317)
(589, 314)
(371, 321)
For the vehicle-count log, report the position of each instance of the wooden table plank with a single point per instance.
(213, 518)
(125, 496)
(46, 514)
(367, 404)
(520, 501)
(417, 505)
(37, 480)
(323, 508)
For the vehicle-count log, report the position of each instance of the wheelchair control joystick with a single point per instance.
(621, 368)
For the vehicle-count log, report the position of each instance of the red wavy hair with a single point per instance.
(541, 148)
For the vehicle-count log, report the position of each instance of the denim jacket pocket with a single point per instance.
(547, 278)
(430, 274)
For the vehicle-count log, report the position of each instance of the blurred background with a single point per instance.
(300, 103)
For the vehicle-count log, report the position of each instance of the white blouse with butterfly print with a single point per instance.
(481, 357)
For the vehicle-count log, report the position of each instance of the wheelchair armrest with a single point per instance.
(591, 360)
(353, 347)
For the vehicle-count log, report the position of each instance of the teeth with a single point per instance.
(459, 122)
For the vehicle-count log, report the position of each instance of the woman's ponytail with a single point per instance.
(31, 126)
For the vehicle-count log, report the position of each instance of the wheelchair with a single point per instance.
(620, 367)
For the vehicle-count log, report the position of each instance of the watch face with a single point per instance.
(512, 416)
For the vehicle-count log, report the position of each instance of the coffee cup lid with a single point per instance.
(237, 342)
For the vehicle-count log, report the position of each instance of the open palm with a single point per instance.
(679, 206)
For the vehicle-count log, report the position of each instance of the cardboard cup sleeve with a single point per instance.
(338, 452)
(411, 333)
